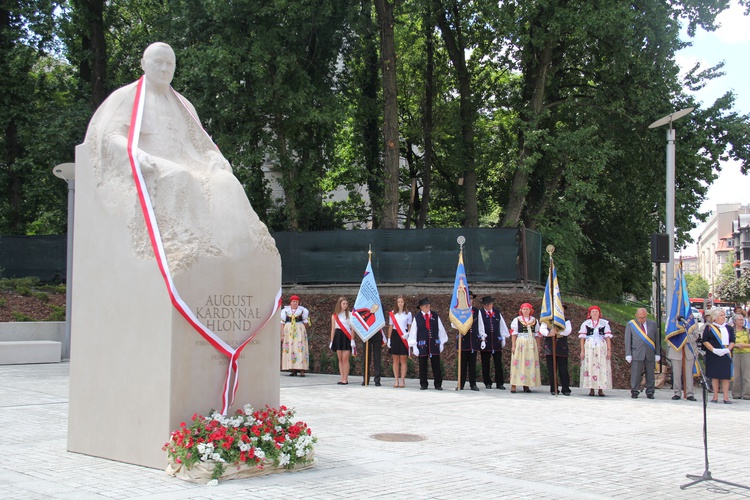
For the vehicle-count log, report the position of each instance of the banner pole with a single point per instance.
(367, 363)
(458, 383)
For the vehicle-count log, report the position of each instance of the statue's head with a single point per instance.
(158, 65)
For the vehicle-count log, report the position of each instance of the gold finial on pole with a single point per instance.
(369, 253)
(550, 249)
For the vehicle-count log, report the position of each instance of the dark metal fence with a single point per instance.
(399, 256)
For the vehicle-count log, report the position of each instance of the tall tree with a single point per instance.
(391, 140)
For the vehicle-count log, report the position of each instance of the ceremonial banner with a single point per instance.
(552, 313)
(680, 319)
(367, 317)
(461, 314)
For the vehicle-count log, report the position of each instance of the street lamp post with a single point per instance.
(667, 120)
(66, 171)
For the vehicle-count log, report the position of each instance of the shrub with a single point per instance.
(23, 290)
(41, 297)
(57, 314)
(19, 316)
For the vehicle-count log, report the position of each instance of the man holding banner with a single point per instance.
(493, 333)
(368, 320)
(681, 335)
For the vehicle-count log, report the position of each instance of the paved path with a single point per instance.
(488, 444)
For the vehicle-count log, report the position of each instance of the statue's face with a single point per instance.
(158, 65)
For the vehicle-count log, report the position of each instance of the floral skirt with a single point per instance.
(294, 352)
(524, 363)
(596, 369)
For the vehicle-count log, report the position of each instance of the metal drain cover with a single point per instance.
(398, 437)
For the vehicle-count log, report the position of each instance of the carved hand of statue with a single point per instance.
(146, 162)
(217, 162)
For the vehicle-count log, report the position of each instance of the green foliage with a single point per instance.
(23, 290)
(41, 296)
(697, 285)
(20, 317)
(57, 314)
(733, 289)
(3, 302)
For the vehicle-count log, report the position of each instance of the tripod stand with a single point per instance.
(706, 476)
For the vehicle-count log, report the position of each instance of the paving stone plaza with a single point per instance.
(487, 444)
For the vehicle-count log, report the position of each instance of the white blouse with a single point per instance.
(403, 319)
(518, 328)
(595, 337)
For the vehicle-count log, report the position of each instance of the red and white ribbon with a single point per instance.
(230, 388)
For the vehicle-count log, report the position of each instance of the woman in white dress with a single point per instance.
(295, 355)
(596, 352)
(400, 321)
(524, 361)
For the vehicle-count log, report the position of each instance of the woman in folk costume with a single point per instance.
(596, 352)
(295, 355)
(718, 341)
(524, 361)
(342, 338)
(399, 321)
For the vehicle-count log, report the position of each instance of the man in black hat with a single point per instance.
(427, 337)
(469, 349)
(561, 355)
(492, 331)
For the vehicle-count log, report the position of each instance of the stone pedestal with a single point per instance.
(138, 368)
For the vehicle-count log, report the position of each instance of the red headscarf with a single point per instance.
(525, 304)
(588, 314)
(293, 298)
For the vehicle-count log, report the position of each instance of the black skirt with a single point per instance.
(340, 341)
(398, 348)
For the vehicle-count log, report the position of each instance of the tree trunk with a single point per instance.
(455, 44)
(93, 65)
(427, 123)
(535, 80)
(370, 126)
(385, 10)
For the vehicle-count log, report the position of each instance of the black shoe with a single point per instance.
(691, 398)
(675, 397)
(488, 386)
(438, 388)
(474, 388)
(501, 387)
(363, 383)
(293, 374)
(377, 384)
(423, 388)
(634, 395)
(650, 396)
(566, 393)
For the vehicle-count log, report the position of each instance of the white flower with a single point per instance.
(248, 409)
(213, 482)
(277, 428)
(283, 459)
(260, 454)
(300, 452)
(245, 446)
(267, 437)
(216, 457)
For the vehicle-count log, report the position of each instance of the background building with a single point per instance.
(716, 242)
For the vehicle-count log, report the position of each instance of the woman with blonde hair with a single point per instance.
(342, 340)
(718, 340)
(741, 357)
(400, 320)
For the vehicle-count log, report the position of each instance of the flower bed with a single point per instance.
(250, 443)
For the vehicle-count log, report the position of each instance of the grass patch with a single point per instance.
(58, 313)
(41, 297)
(21, 317)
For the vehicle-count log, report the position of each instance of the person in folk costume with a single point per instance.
(718, 341)
(295, 355)
(342, 338)
(470, 345)
(493, 334)
(524, 361)
(642, 351)
(596, 352)
(427, 337)
(400, 320)
(561, 354)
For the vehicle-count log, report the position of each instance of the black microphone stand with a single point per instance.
(706, 476)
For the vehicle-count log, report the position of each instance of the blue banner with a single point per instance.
(680, 319)
(367, 316)
(461, 314)
(552, 313)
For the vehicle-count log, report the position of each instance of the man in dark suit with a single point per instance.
(642, 351)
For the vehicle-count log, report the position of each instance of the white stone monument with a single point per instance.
(138, 367)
